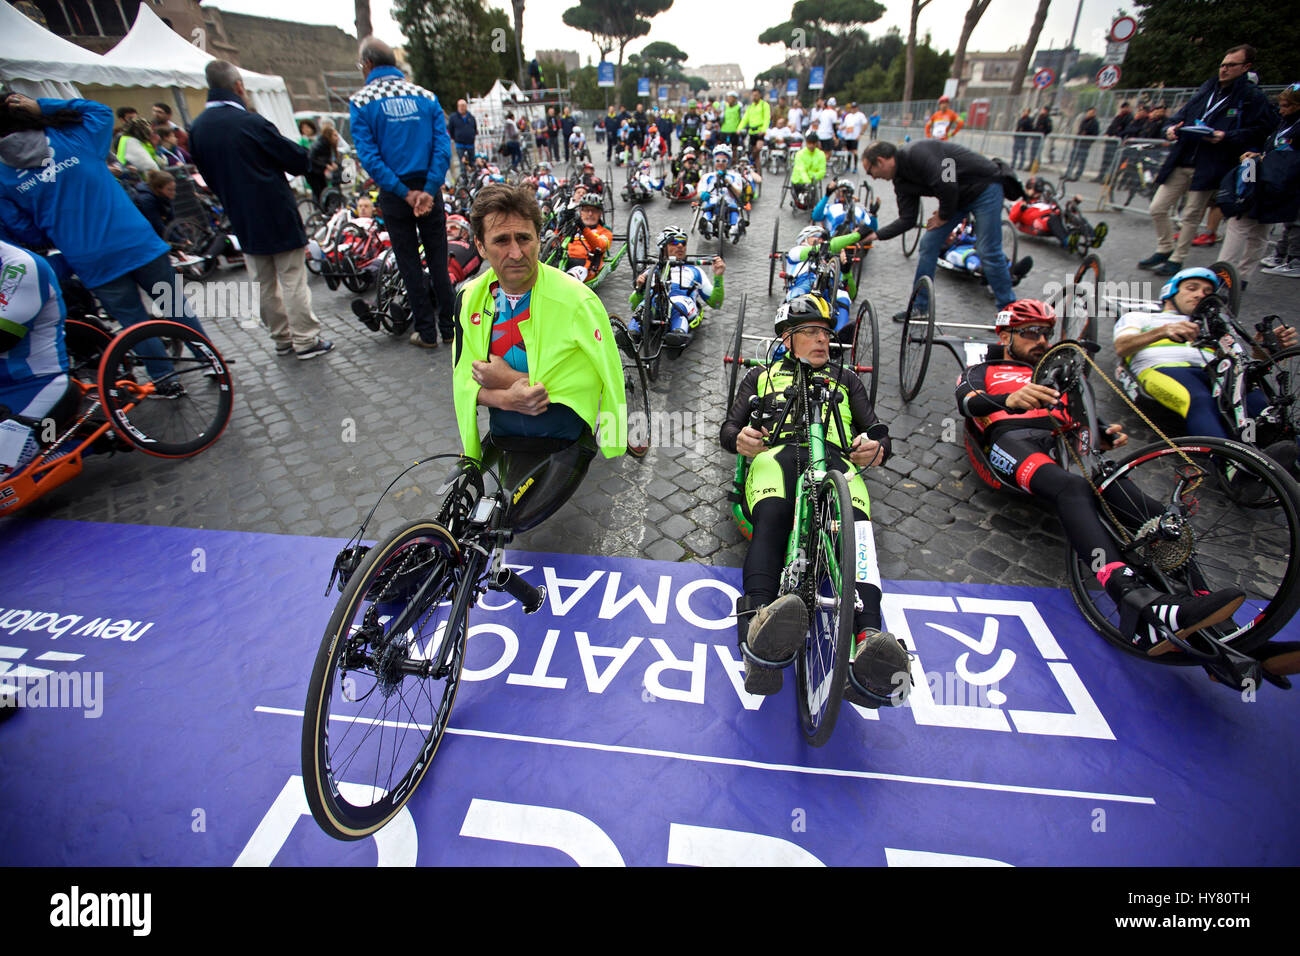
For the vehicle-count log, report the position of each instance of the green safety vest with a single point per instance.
(776, 379)
(730, 118)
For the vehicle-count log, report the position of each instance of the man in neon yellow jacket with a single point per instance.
(758, 117)
(730, 126)
(532, 344)
(807, 171)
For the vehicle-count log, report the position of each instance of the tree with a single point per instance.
(973, 14)
(879, 83)
(362, 10)
(614, 23)
(826, 29)
(518, 6)
(910, 75)
(1180, 43)
(455, 46)
(1027, 51)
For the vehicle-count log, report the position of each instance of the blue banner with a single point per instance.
(772, 94)
(604, 73)
(663, 92)
(1027, 740)
(643, 86)
(792, 87)
(816, 78)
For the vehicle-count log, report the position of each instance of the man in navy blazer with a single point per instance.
(244, 160)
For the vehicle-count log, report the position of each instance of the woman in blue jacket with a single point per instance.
(56, 190)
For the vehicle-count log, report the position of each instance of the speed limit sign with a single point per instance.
(1108, 77)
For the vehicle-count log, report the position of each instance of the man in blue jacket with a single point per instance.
(463, 128)
(244, 159)
(1227, 117)
(401, 140)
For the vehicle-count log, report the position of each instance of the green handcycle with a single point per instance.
(820, 560)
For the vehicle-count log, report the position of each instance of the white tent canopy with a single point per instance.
(154, 48)
(37, 62)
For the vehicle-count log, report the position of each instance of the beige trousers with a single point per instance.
(1244, 244)
(1162, 209)
(285, 298)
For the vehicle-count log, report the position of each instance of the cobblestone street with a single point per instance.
(312, 444)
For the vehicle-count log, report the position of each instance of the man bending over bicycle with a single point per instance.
(772, 629)
(33, 360)
(689, 289)
(534, 346)
(1016, 420)
(1159, 349)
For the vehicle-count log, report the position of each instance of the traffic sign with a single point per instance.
(1108, 77)
(1122, 30)
(1044, 78)
(1114, 53)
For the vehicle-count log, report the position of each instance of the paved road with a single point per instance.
(311, 444)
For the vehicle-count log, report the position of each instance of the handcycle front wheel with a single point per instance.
(636, 387)
(865, 355)
(912, 238)
(372, 721)
(169, 407)
(736, 356)
(822, 666)
(917, 340)
(1219, 542)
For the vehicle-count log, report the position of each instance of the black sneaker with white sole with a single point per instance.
(1147, 615)
(320, 348)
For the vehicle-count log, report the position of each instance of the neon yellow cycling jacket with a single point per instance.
(570, 350)
(809, 166)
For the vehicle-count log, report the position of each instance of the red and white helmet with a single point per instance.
(1025, 312)
(460, 224)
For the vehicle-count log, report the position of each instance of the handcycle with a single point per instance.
(1074, 303)
(1081, 234)
(1235, 371)
(654, 314)
(719, 225)
(803, 196)
(1136, 174)
(820, 564)
(389, 665)
(1189, 515)
(115, 403)
(857, 252)
(635, 243)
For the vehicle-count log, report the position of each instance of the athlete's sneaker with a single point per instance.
(420, 341)
(1271, 262)
(169, 390)
(1099, 233)
(1072, 242)
(1183, 615)
(283, 349)
(1168, 268)
(1020, 269)
(776, 632)
(1153, 260)
(881, 671)
(1205, 239)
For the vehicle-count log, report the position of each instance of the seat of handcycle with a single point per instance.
(538, 474)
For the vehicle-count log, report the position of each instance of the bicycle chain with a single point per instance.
(1087, 472)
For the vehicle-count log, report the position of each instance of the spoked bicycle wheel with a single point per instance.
(917, 340)
(772, 256)
(735, 358)
(1198, 515)
(1227, 274)
(378, 701)
(170, 407)
(638, 241)
(912, 238)
(1077, 305)
(822, 666)
(1279, 378)
(865, 355)
(636, 385)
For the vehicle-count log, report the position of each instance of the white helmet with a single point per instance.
(577, 129)
(808, 232)
(723, 150)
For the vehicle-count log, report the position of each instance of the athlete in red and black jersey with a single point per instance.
(1016, 418)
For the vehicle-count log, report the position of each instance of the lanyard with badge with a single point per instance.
(1282, 138)
(1213, 105)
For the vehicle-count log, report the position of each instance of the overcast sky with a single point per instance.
(734, 25)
